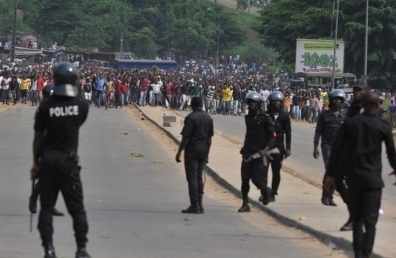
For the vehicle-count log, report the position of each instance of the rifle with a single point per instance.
(257, 155)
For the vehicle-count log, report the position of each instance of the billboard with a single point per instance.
(316, 55)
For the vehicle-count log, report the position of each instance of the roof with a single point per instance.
(145, 61)
(329, 75)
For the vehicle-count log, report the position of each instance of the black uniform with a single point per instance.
(60, 118)
(327, 128)
(282, 129)
(361, 137)
(198, 128)
(260, 133)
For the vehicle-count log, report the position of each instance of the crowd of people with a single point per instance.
(223, 94)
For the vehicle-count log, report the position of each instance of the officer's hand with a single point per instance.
(178, 160)
(316, 153)
(329, 183)
(393, 173)
(287, 154)
(263, 153)
(33, 171)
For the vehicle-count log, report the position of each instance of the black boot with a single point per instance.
(348, 226)
(194, 209)
(82, 253)
(49, 251)
(245, 205)
(267, 193)
(201, 208)
(325, 197)
(57, 213)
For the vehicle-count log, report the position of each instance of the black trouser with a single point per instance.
(194, 168)
(58, 172)
(365, 204)
(276, 165)
(256, 171)
(326, 151)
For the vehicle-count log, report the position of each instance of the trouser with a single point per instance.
(258, 173)
(88, 96)
(276, 165)
(296, 112)
(24, 95)
(126, 98)
(341, 186)
(60, 172)
(118, 99)
(365, 204)
(99, 97)
(237, 107)
(142, 98)
(326, 151)
(156, 99)
(33, 97)
(194, 168)
(5, 96)
(39, 96)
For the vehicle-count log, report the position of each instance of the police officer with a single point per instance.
(259, 139)
(282, 129)
(197, 138)
(361, 138)
(336, 176)
(47, 92)
(327, 127)
(55, 155)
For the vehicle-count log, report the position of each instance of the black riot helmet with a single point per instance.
(253, 96)
(65, 78)
(48, 90)
(337, 94)
(276, 95)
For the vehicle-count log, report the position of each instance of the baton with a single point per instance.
(31, 214)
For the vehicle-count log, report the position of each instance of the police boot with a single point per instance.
(82, 253)
(57, 213)
(49, 251)
(194, 209)
(201, 208)
(245, 205)
(325, 197)
(266, 193)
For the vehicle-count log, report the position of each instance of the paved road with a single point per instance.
(133, 204)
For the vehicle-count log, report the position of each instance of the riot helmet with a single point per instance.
(48, 90)
(65, 78)
(275, 100)
(253, 96)
(337, 93)
(254, 101)
(276, 95)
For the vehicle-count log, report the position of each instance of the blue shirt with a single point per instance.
(100, 83)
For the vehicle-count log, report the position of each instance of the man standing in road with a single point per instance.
(339, 174)
(57, 123)
(327, 128)
(282, 124)
(259, 139)
(197, 138)
(361, 137)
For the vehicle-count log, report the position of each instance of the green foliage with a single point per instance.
(283, 21)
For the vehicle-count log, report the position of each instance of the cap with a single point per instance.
(360, 84)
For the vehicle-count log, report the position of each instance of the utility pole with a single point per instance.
(14, 31)
(248, 5)
(335, 48)
(366, 42)
(122, 45)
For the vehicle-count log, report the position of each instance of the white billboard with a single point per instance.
(316, 55)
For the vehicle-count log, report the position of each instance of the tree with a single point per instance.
(241, 5)
(283, 21)
(144, 45)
